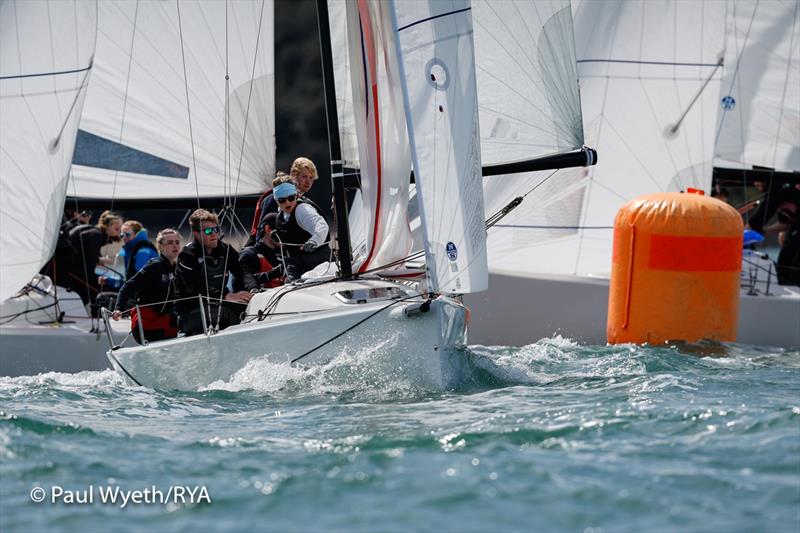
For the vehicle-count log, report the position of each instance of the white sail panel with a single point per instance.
(437, 58)
(759, 106)
(137, 140)
(528, 97)
(641, 65)
(342, 40)
(529, 107)
(378, 119)
(45, 60)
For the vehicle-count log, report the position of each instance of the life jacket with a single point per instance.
(153, 321)
(258, 214)
(265, 266)
(290, 231)
(130, 257)
(215, 273)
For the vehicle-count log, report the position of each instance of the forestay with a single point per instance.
(373, 129)
(181, 102)
(45, 62)
(438, 73)
(759, 110)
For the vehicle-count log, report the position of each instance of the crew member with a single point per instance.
(302, 232)
(154, 285)
(205, 268)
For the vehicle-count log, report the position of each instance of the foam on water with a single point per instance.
(553, 435)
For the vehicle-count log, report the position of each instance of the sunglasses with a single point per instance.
(212, 229)
(290, 198)
(128, 234)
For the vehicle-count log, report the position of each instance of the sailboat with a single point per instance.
(426, 50)
(668, 91)
(44, 75)
(119, 93)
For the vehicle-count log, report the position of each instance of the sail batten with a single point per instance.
(43, 76)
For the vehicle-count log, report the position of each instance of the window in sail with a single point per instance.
(98, 152)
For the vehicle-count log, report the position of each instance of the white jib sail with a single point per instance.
(529, 106)
(438, 71)
(759, 105)
(142, 136)
(378, 122)
(46, 53)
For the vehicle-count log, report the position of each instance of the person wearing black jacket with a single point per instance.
(204, 268)
(153, 290)
(87, 241)
(782, 202)
(65, 256)
(261, 259)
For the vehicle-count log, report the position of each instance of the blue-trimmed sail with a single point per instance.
(185, 84)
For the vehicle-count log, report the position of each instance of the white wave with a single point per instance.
(94, 379)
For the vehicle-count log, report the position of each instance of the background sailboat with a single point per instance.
(46, 62)
(651, 78)
(181, 108)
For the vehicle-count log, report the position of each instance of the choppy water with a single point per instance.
(550, 436)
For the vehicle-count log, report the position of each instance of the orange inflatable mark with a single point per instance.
(695, 254)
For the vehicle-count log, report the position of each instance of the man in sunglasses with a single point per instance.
(301, 231)
(205, 268)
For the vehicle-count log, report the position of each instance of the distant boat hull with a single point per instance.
(520, 309)
(398, 336)
(32, 341)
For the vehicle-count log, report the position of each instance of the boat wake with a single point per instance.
(374, 374)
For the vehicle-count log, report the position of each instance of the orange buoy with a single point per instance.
(675, 270)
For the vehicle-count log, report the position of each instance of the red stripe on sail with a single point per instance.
(369, 41)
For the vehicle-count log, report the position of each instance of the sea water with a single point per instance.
(551, 436)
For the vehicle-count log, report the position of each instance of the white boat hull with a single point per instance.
(33, 340)
(424, 345)
(519, 310)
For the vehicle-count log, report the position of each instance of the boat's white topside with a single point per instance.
(521, 309)
(311, 324)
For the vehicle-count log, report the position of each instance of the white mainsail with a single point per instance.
(759, 106)
(181, 104)
(437, 61)
(373, 130)
(46, 53)
(650, 75)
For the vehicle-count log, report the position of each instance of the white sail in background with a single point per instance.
(529, 107)
(437, 60)
(371, 103)
(136, 138)
(759, 105)
(46, 53)
(641, 65)
(341, 41)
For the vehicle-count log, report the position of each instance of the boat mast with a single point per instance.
(337, 176)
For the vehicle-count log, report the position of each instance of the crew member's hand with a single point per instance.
(116, 315)
(241, 297)
(309, 246)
